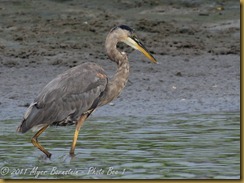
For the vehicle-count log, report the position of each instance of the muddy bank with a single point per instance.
(197, 45)
(176, 85)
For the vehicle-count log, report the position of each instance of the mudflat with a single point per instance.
(196, 43)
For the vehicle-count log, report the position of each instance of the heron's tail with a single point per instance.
(23, 127)
(20, 129)
(28, 117)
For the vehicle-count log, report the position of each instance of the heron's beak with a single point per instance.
(136, 44)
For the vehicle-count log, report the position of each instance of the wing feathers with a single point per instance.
(68, 95)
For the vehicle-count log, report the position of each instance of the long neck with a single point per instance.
(119, 80)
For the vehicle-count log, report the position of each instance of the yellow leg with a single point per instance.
(77, 129)
(36, 143)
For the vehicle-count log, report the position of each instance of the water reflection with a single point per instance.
(154, 147)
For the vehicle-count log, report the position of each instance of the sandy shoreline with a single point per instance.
(199, 57)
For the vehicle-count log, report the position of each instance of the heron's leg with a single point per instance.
(77, 129)
(36, 143)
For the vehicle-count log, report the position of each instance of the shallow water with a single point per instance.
(176, 146)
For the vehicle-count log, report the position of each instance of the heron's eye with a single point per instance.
(134, 37)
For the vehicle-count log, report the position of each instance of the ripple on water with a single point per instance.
(155, 147)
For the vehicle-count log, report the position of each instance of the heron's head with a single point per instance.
(127, 35)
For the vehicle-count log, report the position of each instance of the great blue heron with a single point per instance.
(72, 96)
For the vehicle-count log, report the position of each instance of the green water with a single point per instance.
(181, 146)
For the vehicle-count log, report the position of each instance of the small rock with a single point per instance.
(111, 104)
(178, 74)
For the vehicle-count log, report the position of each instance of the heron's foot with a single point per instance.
(49, 155)
(44, 157)
(72, 154)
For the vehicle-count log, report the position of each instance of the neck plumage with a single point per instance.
(119, 80)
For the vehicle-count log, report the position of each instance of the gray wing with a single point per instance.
(68, 95)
